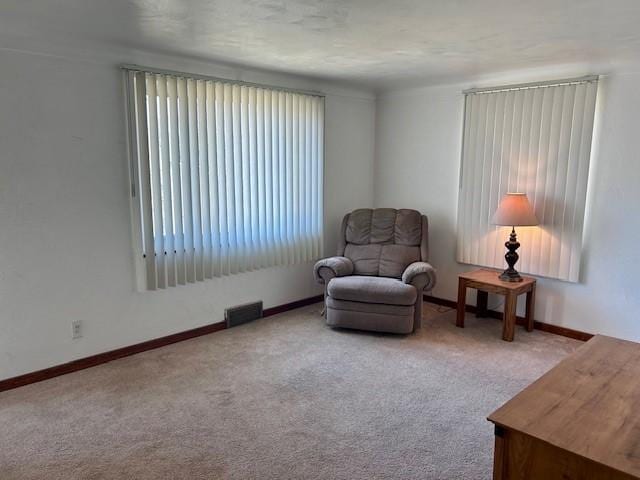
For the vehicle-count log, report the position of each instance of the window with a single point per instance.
(226, 177)
(534, 139)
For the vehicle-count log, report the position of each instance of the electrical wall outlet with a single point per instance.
(76, 329)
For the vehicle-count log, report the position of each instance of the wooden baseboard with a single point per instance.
(111, 355)
(544, 327)
(267, 312)
(444, 302)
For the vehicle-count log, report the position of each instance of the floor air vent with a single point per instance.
(242, 314)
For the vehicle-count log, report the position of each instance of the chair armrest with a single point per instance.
(421, 275)
(327, 268)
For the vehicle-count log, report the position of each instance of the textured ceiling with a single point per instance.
(375, 43)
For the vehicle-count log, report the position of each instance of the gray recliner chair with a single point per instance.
(377, 280)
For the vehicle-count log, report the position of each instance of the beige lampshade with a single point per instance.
(515, 210)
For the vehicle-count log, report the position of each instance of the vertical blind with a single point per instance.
(226, 177)
(534, 139)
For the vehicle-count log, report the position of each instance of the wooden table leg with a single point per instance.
(462, 302)
(498, 454)
(509, 316)
(531, 300)
(481, 304)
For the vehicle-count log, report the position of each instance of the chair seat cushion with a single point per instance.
(366, 289)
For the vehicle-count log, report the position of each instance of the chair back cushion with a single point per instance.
(384, 241)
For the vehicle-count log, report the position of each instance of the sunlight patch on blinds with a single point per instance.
(535, 140)
(227, 177)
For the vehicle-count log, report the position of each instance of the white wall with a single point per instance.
(418, 140)
(65, 248)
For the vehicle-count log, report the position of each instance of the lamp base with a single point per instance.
(510, 275)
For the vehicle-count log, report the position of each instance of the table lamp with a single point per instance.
(514, 211)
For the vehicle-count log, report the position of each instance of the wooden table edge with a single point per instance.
(547, 442)
(525, 278)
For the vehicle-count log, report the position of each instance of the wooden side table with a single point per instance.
(487, 281)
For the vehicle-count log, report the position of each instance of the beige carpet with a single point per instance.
(281, 398)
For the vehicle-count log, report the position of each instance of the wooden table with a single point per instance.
(487, 281)
(581, 420)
